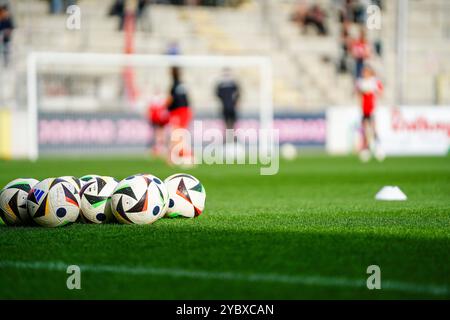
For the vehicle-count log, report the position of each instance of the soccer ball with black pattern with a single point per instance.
(87, 178)
(95, 199)
(163, 189)
(138, 199)
(186, 196)
(13, 201)
(74, 181)
(53, 202)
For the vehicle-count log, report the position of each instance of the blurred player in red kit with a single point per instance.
(180, 117)
(369, 87)
(158, 116)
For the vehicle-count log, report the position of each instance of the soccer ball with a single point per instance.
(288, 151)
(95, 199)
(163, 191)
(87, 178)
(13, 201)
(379, 154)
(53, 202)
(73, 181)
(138, 199)
(365, 155)
(186, 196)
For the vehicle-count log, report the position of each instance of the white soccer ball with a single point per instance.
(13, 201)
(162, 187)
(186, 196)
(365, 155)
(288, 151)
(95, 199)
(53, 202)
(87, 178)
(380, 155)
(138, 199)
(73, 181)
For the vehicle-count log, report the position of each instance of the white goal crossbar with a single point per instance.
(37, 59)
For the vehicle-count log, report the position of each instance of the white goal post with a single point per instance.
(37, 60)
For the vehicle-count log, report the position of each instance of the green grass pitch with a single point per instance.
(310, 232)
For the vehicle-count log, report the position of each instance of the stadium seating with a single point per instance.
(304, 64)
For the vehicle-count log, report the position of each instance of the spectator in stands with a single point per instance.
(344, 8)
(6, 30)
(142, 6)
(355, 10)
(60, 6)
(313, 15)
(360, 51)
(299, 12)
(228, 92)
(345, 47)
(119, 9)
(360, 11)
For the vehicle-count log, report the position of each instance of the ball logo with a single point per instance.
(38, 194)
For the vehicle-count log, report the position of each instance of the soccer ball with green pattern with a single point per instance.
(53, 202)
(95, 199)
(138, 199)
(186, 196)
(163, 189)
(13, 202)
(87, 178)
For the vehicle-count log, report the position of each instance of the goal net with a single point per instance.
(90, 104)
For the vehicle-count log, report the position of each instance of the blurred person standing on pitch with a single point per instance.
(180, 116)
(228, 92)
(158, 117)
(369, 87)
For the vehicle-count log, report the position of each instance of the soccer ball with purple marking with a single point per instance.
(186, 196)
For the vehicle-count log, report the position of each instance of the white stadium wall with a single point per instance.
(401, 131)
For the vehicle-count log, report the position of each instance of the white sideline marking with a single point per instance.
(231, 276)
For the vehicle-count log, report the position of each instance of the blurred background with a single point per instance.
(314, 46)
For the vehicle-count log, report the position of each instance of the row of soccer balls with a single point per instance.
(138, 199)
